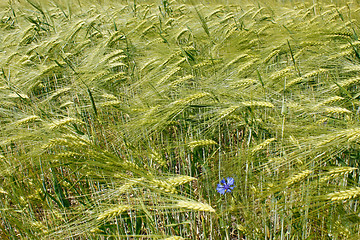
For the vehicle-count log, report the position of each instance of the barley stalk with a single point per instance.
(199, 143)
(174, 238)
(262, 145)
(196, 206)
(113, 212)
(179, 180)
(258, 104)
(298, 177)
(344, 195)
(27, 120)
(63, 122)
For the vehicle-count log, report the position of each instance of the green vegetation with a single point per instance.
(119, 118)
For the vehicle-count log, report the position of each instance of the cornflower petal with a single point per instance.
(225, 185)
(221, 189)
(230, 181)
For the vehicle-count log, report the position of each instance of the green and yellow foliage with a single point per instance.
(119, 118)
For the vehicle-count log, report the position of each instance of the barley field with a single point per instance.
(188, 119)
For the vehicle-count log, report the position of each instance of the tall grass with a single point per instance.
(119, 119)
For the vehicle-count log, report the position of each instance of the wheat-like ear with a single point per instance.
(157, 157)
(179, 180)
(342, 54)
(227, 111)
(337, 110)
(271, 55)
(113, 212)
(344, 195)
(126, 187)
(244, 83)
(57, 93)
(262, 145)
(119, 54)
(26, 120)
(232, 28)
(116, 36)
(181, 80)
(155, 41)
(203, 64)
(168, 75)
(352, 68)
(111, 103)
(242, 69)
(27, 36)
(174, 238)
(39, 226)
(44, 73)
(66, 140)
(282, 73)
(336, 172)
(195, 144)
(294, 82)
(241, 56)
(163, 186)
(298, 177)
(68, 155)
(63, 122)
(347, 136)
(350, 45)
(99, 76)
(315, 73)
(260, 104)
(79, 48)
(300, 52)
(176, 54)
(116, 77)
(346, 83)
(196, 206)
(78, 26)
(191, 98)
(330, 101)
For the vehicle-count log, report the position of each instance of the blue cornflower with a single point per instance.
(225, 186)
